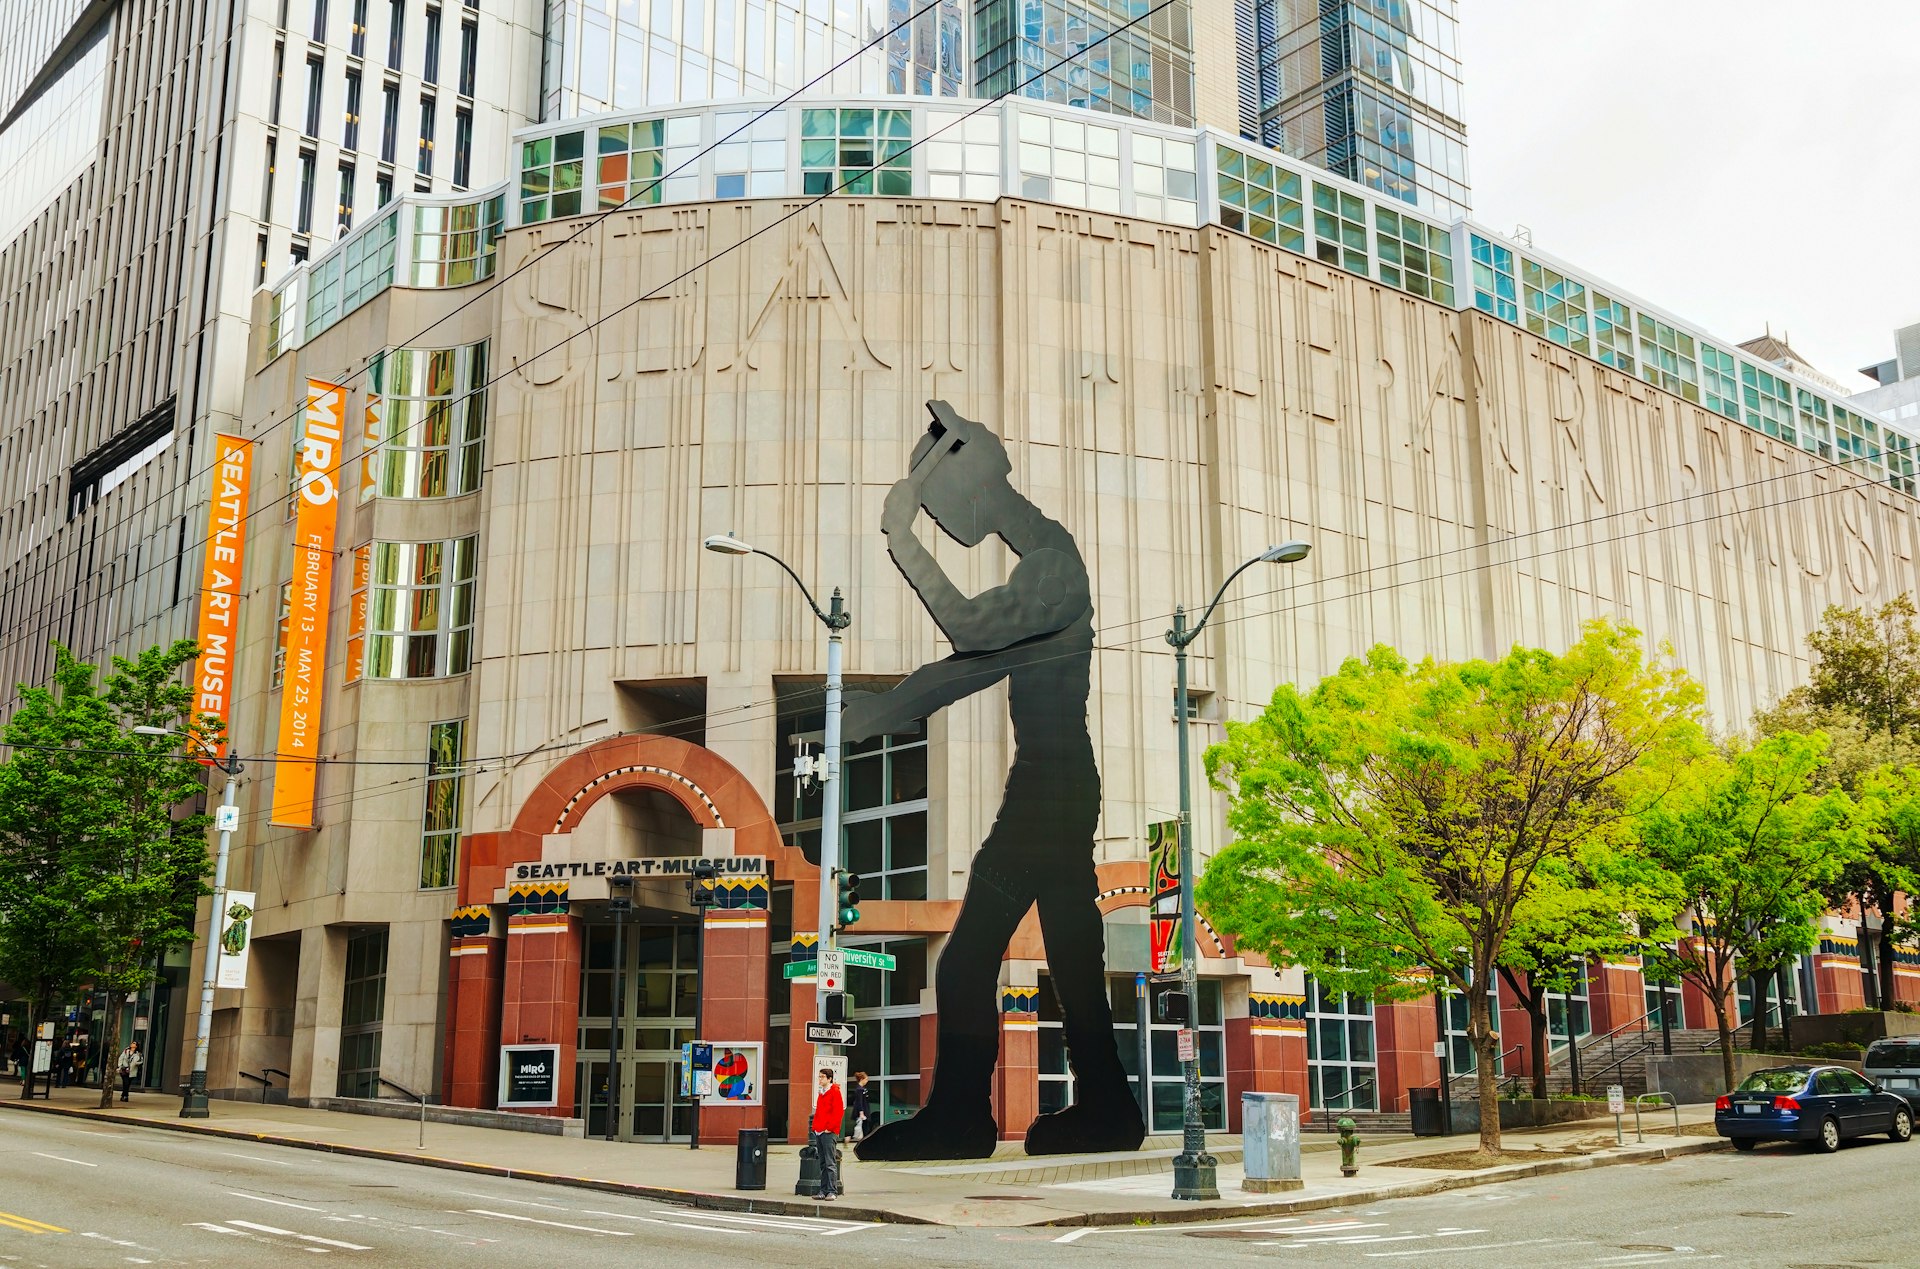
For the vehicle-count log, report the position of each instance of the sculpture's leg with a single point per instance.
(956, 1121)
(1104, 1114)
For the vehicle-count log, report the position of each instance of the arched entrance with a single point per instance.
(533, 974)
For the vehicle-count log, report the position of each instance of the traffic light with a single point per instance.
(699, 889)
(849, 898)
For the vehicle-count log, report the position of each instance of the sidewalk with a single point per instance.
(1003, 1191)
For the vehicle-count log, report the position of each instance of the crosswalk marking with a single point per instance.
(61, 1158)
(534, 1220)
(311, 1238)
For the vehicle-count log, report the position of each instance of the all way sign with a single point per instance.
(841, 1033)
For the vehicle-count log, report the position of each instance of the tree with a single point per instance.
(1747, 851)
(1864, 693)
(1604, 908)
(99, 874)
(1888, 861)
(1393, 825)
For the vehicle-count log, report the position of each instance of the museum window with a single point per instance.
(396, 32)
(1341, 1074)
(1569, 1013)
(357, 39)
(883, 829)
(1816, 429)
(441, 820)
(423, 159)
(462, 148)
(1857, 441)
(363, 1008)
(1461, 1058)
(303, 212)
(1166, 1078)
(366, 263)
(455, 245)
(1718, 381)
(1165, 184)
(430, 67)
(752, 163)
(1556, 305)
(284, 629)
(1667, 359)
(1768, 403)
(1414, 256)
(1261, 199)
(469, 57)
(1340, 228)
(389, 122)
(1612, 333)
(345, 208)
(838, 147)
(887, 1012)
(963, 156)
(1494, 290)
(350, 126)
(316, 72)
(427, 432)
(420, 620)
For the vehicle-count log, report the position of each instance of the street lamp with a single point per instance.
(193, 1105)
(836, 619)
(1193, 1168)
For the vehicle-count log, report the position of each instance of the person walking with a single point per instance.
(129, 1067)
(860, 1102)
(829, 1108)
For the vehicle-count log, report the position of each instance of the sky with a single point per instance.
(1737, 162)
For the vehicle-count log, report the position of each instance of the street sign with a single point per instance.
(799, 969)
(833, 969)
(841, 1033)
(866, 959)
(1616, 1100)
(1186, 1045)
(226, 819)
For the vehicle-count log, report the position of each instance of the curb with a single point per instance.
(685, 1198)
(1415, 1189)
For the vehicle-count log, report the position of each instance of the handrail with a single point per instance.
(261, 1080)
(1646, 1046)
(1457, 1076)
(1338, 1096)
(274, 1070)
(417, 1097)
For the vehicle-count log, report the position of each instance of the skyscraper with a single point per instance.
(1368, 89)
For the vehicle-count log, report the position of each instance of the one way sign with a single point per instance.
(842, 1033)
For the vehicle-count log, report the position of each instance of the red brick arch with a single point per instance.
(712, 790)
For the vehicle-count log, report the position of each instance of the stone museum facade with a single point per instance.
(524, 673)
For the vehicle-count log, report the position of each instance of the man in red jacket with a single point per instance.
(829, 1108)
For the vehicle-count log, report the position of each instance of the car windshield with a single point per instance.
(1904, 1054)
(1778, 1081)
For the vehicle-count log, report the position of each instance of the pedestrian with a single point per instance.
(829, 1108)
(860, 1102)
(129, 1067)
(77, 1063)
(18, 1054)
(62, 1062)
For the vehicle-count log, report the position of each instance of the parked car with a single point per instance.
(1821, 1105)
(1894, 1064)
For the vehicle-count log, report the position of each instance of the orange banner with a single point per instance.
(317, 506)
(220, 581)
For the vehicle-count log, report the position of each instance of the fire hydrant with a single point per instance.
(1349, 1147)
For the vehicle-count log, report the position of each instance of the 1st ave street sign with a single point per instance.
(841, 1033)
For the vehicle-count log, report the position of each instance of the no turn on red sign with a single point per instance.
(833, 969)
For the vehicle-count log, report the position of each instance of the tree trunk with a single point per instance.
(1758, 984)
(1542, 1048)
(1884, 959)
(1486, 1048)
(1726, 1035)
(110, 1049)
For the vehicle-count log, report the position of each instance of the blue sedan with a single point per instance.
(1820, 1105)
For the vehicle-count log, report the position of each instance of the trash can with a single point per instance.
(750, 1160)
(1428, 1116)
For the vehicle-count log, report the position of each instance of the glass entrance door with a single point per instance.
(658, 989)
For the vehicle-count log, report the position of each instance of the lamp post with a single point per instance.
(836, 619)
(1193, 1168)
(193, 1104)
(619, 903)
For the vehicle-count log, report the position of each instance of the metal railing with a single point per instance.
(1586, 1077)
(1654, 1101)
(1474, 1075)
(418, 1097)
(1329, 1122)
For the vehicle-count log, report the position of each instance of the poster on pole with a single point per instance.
(220, 581)
(317, 462)
(236, 939)
(1163, 917)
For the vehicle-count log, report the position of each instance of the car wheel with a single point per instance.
(1829, 1138)
(1902, 1125)
(1744, 1143)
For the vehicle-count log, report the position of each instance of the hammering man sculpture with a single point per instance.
(1036, 632)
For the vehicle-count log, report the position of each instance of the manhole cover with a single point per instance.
(1003, 1198)
(1772, 1216)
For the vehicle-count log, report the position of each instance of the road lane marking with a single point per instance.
(311, 1238)
(495, 1198)
(821, 1225)
(276, 1202)
(1450, 1248)
(28, 1225)
(278, 1163)
(63, 1159)
(535, 1220)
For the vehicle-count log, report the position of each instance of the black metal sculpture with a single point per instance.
(1035, 631)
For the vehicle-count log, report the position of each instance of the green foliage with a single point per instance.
(1838, 1049)
(1868, 665)
(99, 874)
(1400, 822)
(1748, 852)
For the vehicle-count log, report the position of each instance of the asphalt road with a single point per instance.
(74, 1193)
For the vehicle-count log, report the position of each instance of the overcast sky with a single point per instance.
(1736, 162)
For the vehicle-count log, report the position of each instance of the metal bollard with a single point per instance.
(1349, 1147)
(808, 1186)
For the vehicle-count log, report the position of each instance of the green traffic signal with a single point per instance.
(849, 898)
